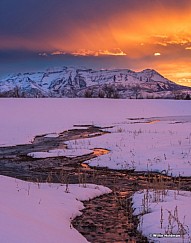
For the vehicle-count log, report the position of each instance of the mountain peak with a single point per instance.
(151, 71)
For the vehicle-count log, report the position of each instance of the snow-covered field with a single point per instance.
(149, 135)
(41, 212)
(163, 146)
(22, 119)
(152, 135)
(168, 219)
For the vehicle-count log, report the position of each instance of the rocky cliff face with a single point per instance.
(73, 82)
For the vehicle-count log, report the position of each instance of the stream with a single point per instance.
(106, 219)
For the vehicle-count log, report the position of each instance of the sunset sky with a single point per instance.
(133, 34)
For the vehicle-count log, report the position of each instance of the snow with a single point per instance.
(22, 119)
(124, 77)
(162, 145)
(171, 210)
(166, 147)
(52, 135)
(60, 152)
(42, 212)
(147, 135)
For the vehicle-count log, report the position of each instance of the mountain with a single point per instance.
(79, 82)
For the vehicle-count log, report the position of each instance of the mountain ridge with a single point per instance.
(81, 82)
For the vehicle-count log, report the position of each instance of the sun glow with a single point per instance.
(152, 35)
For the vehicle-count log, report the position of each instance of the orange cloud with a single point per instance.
(58, 53)
(153, 27)
(84, 52)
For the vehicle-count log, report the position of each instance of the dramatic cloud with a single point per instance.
(151, 33)
(85, 52)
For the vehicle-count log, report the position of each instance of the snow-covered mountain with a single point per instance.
(74, 82)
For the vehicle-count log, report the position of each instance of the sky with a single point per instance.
(133, 34)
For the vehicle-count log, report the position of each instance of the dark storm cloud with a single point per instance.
(33, 17)
(137, 28)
